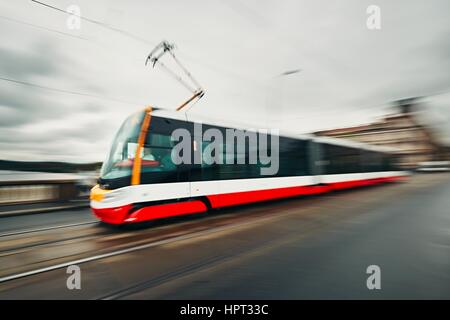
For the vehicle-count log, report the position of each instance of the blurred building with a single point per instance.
(402, 131)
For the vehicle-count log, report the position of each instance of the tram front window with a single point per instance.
(157, 153)
(123, 150)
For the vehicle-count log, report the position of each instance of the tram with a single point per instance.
(140, 181)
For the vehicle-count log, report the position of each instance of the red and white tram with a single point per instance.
(140, 182)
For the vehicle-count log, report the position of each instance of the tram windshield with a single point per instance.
(123, 150)
(156, 161)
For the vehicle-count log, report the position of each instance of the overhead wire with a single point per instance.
(25, 83)
(216, 69)
(97, 22)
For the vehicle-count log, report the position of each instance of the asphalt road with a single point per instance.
(301, 248)
(44, 220)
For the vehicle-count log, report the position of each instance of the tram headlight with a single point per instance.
(100, 195)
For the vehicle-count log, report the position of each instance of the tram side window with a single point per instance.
(231, 168)
(326, 159)
(238, 161)
(156, 164)
(293, 157)
(329, 162)
(372, 161)
(351, 161)
(389, 162)
(210, 161)
(340, 159)
(226, 169)
(157, 153)
(255, 170)
(293, 160)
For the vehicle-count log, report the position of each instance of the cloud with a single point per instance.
(37, 60)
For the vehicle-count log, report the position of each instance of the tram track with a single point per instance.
(107, 237)
(211, 262)
(130, 249)
(27, 231)
(17, 244)
(183, 271)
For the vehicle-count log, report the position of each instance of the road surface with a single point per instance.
(303, 248)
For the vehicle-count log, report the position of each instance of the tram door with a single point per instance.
(315, 163)
(203, 173)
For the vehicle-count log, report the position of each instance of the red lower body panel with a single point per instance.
(167, 210)
(352, 184)
(231, 199)
(115, 215)
(120, 215)
(361, 183)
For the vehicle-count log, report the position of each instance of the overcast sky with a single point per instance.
(236, 49)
